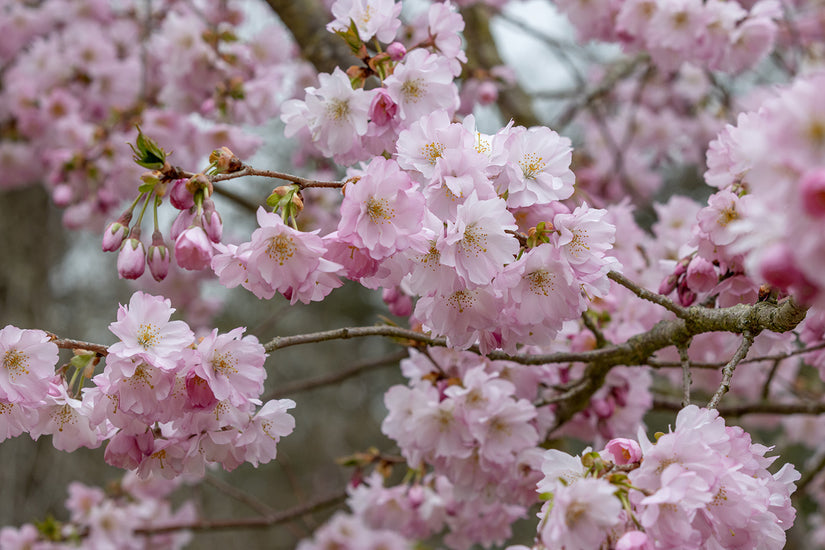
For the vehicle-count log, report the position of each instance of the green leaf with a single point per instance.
(147, 153)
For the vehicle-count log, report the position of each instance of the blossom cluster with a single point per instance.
(110, 520)
(703, 485)
(165, 403)
(718, 35)
(73, 93)
(760, 226)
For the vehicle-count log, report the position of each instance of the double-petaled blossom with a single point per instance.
(421, 84)
(378, 18)
(27, 362)
(477, 244)
(285, 260)
(382, 212)
(232, 365)
(538, 169)
(146, 331)
(335, 114)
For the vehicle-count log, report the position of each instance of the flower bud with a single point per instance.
(382, 109)
(158, 257)
(212, 223)
(131, 262)
(624, 451)
(399, 303)
(812, 188)
(701, 275)
(199, 394)
(193, 250)
(487, 92)
(115, 234)
(179, 195)
(184, 219)
(62, 195)
(396, 51)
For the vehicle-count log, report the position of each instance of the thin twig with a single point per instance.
(246, 523)
(766, 389)
(774, 357)
(645, 294)
(68, 343)
(742, 409)
(241, 496)
(809, 476)
(683, 356)
(335, 377)
(304, 183)
(591, 325)
(727, 371)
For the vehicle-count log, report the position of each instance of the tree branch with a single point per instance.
(246, 523)
(727, 371)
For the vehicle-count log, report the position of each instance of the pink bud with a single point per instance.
(131, 262)
(212, 223)
(701, 275)
(399, 303)
(487, 92)
(382, 108)
(624, 451)
(199, 394)
(812, 189)
(62, 195)
(686, 295)
(183, 220)
(114, 236)
(158, 257)
(179, 196)
(634, 540)
(193, 250)
(668, 285)
(396, 51)
(603, 408)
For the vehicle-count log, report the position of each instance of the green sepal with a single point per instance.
(82, 359)
(147, 152)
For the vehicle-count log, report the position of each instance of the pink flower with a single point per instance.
(282, 259)
(477, 244)
(145, 331)
(382, 212)
(259, 439)
(131, 262)
(421, 84)
(624, 451)
(538, 169)
(377, 18)
(193, 250)
(634, 540)
(701, 275)
(27, 362)
(582, 515)
(335, 114)
(232, 366)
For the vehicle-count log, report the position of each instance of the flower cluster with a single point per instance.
(703, 485)
(718, 35)
(73, 92)
(102, 520)
(167, 404)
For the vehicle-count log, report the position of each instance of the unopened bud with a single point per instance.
(396, 51)
(158, 257)
(131, 262)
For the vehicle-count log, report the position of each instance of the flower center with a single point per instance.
(281, 248)
(16, 363)
(531, 164)
(412, 90)
(148, 336)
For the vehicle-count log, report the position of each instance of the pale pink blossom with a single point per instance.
(27, 362)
